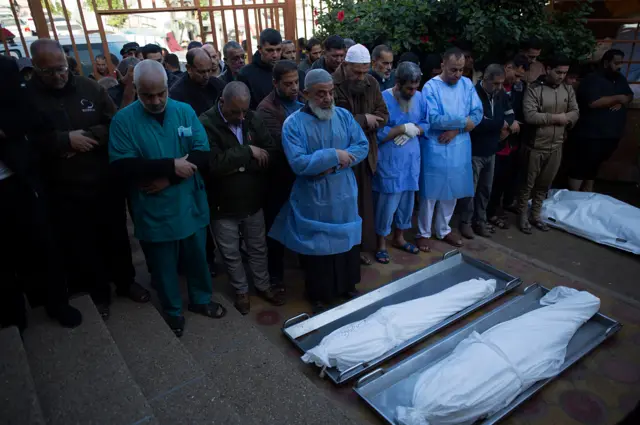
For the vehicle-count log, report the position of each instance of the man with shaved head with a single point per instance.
(242, 151)
(88, 226)
(160, 148)
(214, 57)
(199, 88)
(320, 220)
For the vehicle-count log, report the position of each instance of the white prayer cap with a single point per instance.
(317, 76)
(358, 54)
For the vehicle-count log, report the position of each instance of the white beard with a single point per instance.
(321, 113)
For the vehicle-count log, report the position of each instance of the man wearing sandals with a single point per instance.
(549, 106)
(485, 140)
(359, 93)
(159, 147)
(396, 179)
(453, 110)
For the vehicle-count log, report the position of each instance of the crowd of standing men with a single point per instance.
(324, 158)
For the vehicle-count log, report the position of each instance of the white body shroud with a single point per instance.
(392, 325)
(484, 373)
(593, 216)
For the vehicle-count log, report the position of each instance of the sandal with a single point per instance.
(382, 256)
(408, 247)
(525, 227)
(365, 261)
(539, 224)
(213, 310)
(423, 244)
(499, 222)
(451, 240)
(176, 323)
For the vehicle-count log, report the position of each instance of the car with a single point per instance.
(9, 23)
(114, 43)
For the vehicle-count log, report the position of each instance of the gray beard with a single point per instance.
(322, 114)
(405, 105)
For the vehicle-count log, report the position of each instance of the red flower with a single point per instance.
(356, 20)
(424, 38)
(315, 22)
(452, 39)
(315, 12)
(340, 16)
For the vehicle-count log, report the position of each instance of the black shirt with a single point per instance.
(601, 123)
(200, 98)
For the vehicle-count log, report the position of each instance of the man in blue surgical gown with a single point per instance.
(320, 221)
(396, 179)
(454, 109)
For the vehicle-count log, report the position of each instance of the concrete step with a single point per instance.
(254, 375)
(175, 385)
(18, 398)
(79, 374)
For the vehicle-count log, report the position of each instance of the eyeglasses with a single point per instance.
(240, 58)
(50, 72)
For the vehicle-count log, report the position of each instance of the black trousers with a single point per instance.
(330, 276)
(29, 261)
(119, 258)
(505, 183)
(82, 228)
(275, 200)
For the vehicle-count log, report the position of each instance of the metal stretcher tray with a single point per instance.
(306, 332)
(386, 390)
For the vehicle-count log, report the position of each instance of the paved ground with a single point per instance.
(599, 390)
(609, 267)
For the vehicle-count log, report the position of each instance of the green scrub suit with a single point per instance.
(171, 225)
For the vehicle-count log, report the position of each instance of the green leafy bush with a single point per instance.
(491, 26)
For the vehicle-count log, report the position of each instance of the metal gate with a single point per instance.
(218, 20)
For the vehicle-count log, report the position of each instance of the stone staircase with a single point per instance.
(132, 370)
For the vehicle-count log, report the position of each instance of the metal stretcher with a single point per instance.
(306, 332)
(384, 390)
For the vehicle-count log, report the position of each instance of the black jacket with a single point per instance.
(17, 120)
(258, 77)
(200, 98)
(386, 84)
(516, 95)
(485, 138)
(319, 64)
(236, 184)
(226, 77)
(81, 105)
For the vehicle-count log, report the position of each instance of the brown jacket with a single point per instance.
(371, 102)
(272, 114)
(540, 102)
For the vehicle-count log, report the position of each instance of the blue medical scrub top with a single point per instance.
(399, 166)
(181, 209)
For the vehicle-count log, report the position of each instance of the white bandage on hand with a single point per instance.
(411, 130)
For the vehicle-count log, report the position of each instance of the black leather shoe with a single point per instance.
(67, 316)
(135, 292)
(176, 323)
